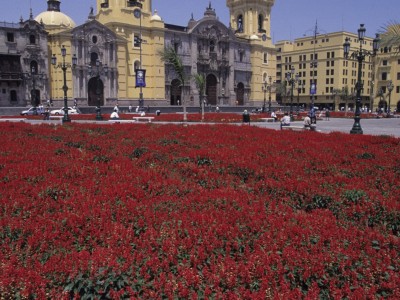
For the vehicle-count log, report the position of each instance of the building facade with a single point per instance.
(387, 73)
(122, 37)
(319, 60)
(23, 63)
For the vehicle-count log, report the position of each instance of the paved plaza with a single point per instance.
(369, 126)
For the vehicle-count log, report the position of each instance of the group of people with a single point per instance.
(310, 120)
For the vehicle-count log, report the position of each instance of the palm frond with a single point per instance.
(170, 56)
(390, 35)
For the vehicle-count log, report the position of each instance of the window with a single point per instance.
(328, 63)
(240, 23)
(136, 40)
(333, 54)
(332, 63)
(32, 39)
(398, 76)
(279, 58)
(327, 80)
(261, 23)
(332, 81)
(397, 89)
(332, 72)
(384, 76)
(384, 62)
(327, 72)
(328, 55)
(265, 58)
(10, 37)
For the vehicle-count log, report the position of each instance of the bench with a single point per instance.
(55, 117)
(137, 119)
(12, 119)
(297, 128)
(267, 119)
(121, 121)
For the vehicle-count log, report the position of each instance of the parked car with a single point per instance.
(256, 110)
(31, 111)
(71, 111)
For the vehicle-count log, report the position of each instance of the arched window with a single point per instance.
(34, 67)
(240, 23)
(261, 23)
(32, 39)
(93, 58)
(212, 46)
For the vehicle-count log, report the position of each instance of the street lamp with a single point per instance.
(300, 87)
(267, 86)
(291, 79)
(390, 89)
(140, 73)
(64, 66)
(100, 70)
(360, 56)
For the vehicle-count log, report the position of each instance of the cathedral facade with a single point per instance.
(121, 38)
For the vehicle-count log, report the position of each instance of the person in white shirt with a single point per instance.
(114, 115)
(285, 121)
(273, 115)
(307, 122)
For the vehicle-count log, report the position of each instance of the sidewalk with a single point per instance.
(369, 126)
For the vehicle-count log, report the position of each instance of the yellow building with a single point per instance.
(320, 59)
(387, 67)
(123, 37)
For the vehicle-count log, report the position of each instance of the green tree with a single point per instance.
(200, 81)
(170, 56)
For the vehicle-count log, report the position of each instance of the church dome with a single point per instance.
(55, 18)
(155, 16)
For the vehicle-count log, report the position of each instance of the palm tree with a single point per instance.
(345, 95)
(390, 35)
(200, 81)
(169, 56)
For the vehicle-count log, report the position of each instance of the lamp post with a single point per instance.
(264, 88)
(300, 87)
(138, 40)
(267, 86)
(390, 87)
(100, 70)
(291, 79)
(360, 56)
(64, 66)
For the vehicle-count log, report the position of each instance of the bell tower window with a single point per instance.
(261, 24)
(240, 23)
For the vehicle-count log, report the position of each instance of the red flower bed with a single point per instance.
(197, 212)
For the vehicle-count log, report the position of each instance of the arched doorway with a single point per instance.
(35, 97)
(211, 89)
(176, 92)
(95, 89)
(382, 105)
(240, 94)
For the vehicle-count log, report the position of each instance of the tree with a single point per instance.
(169, 56)
(390, 35)
(200, 81)
(345, 95)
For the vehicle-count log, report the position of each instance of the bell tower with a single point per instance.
(251, 17)
(112, 10)
(251, 20)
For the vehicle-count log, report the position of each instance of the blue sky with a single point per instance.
(290, 19)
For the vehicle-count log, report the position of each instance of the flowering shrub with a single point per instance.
(197, 212)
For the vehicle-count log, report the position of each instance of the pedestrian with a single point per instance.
(273, 115)
(116, 108)
(327, 114)
(307, 122)
(114, 115)
(285, 121)
(130, 108)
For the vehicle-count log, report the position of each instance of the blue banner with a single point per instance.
(313, 89)
(140, 78)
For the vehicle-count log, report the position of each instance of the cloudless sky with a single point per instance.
(290, 19)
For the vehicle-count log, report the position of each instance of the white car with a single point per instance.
(71, 111)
